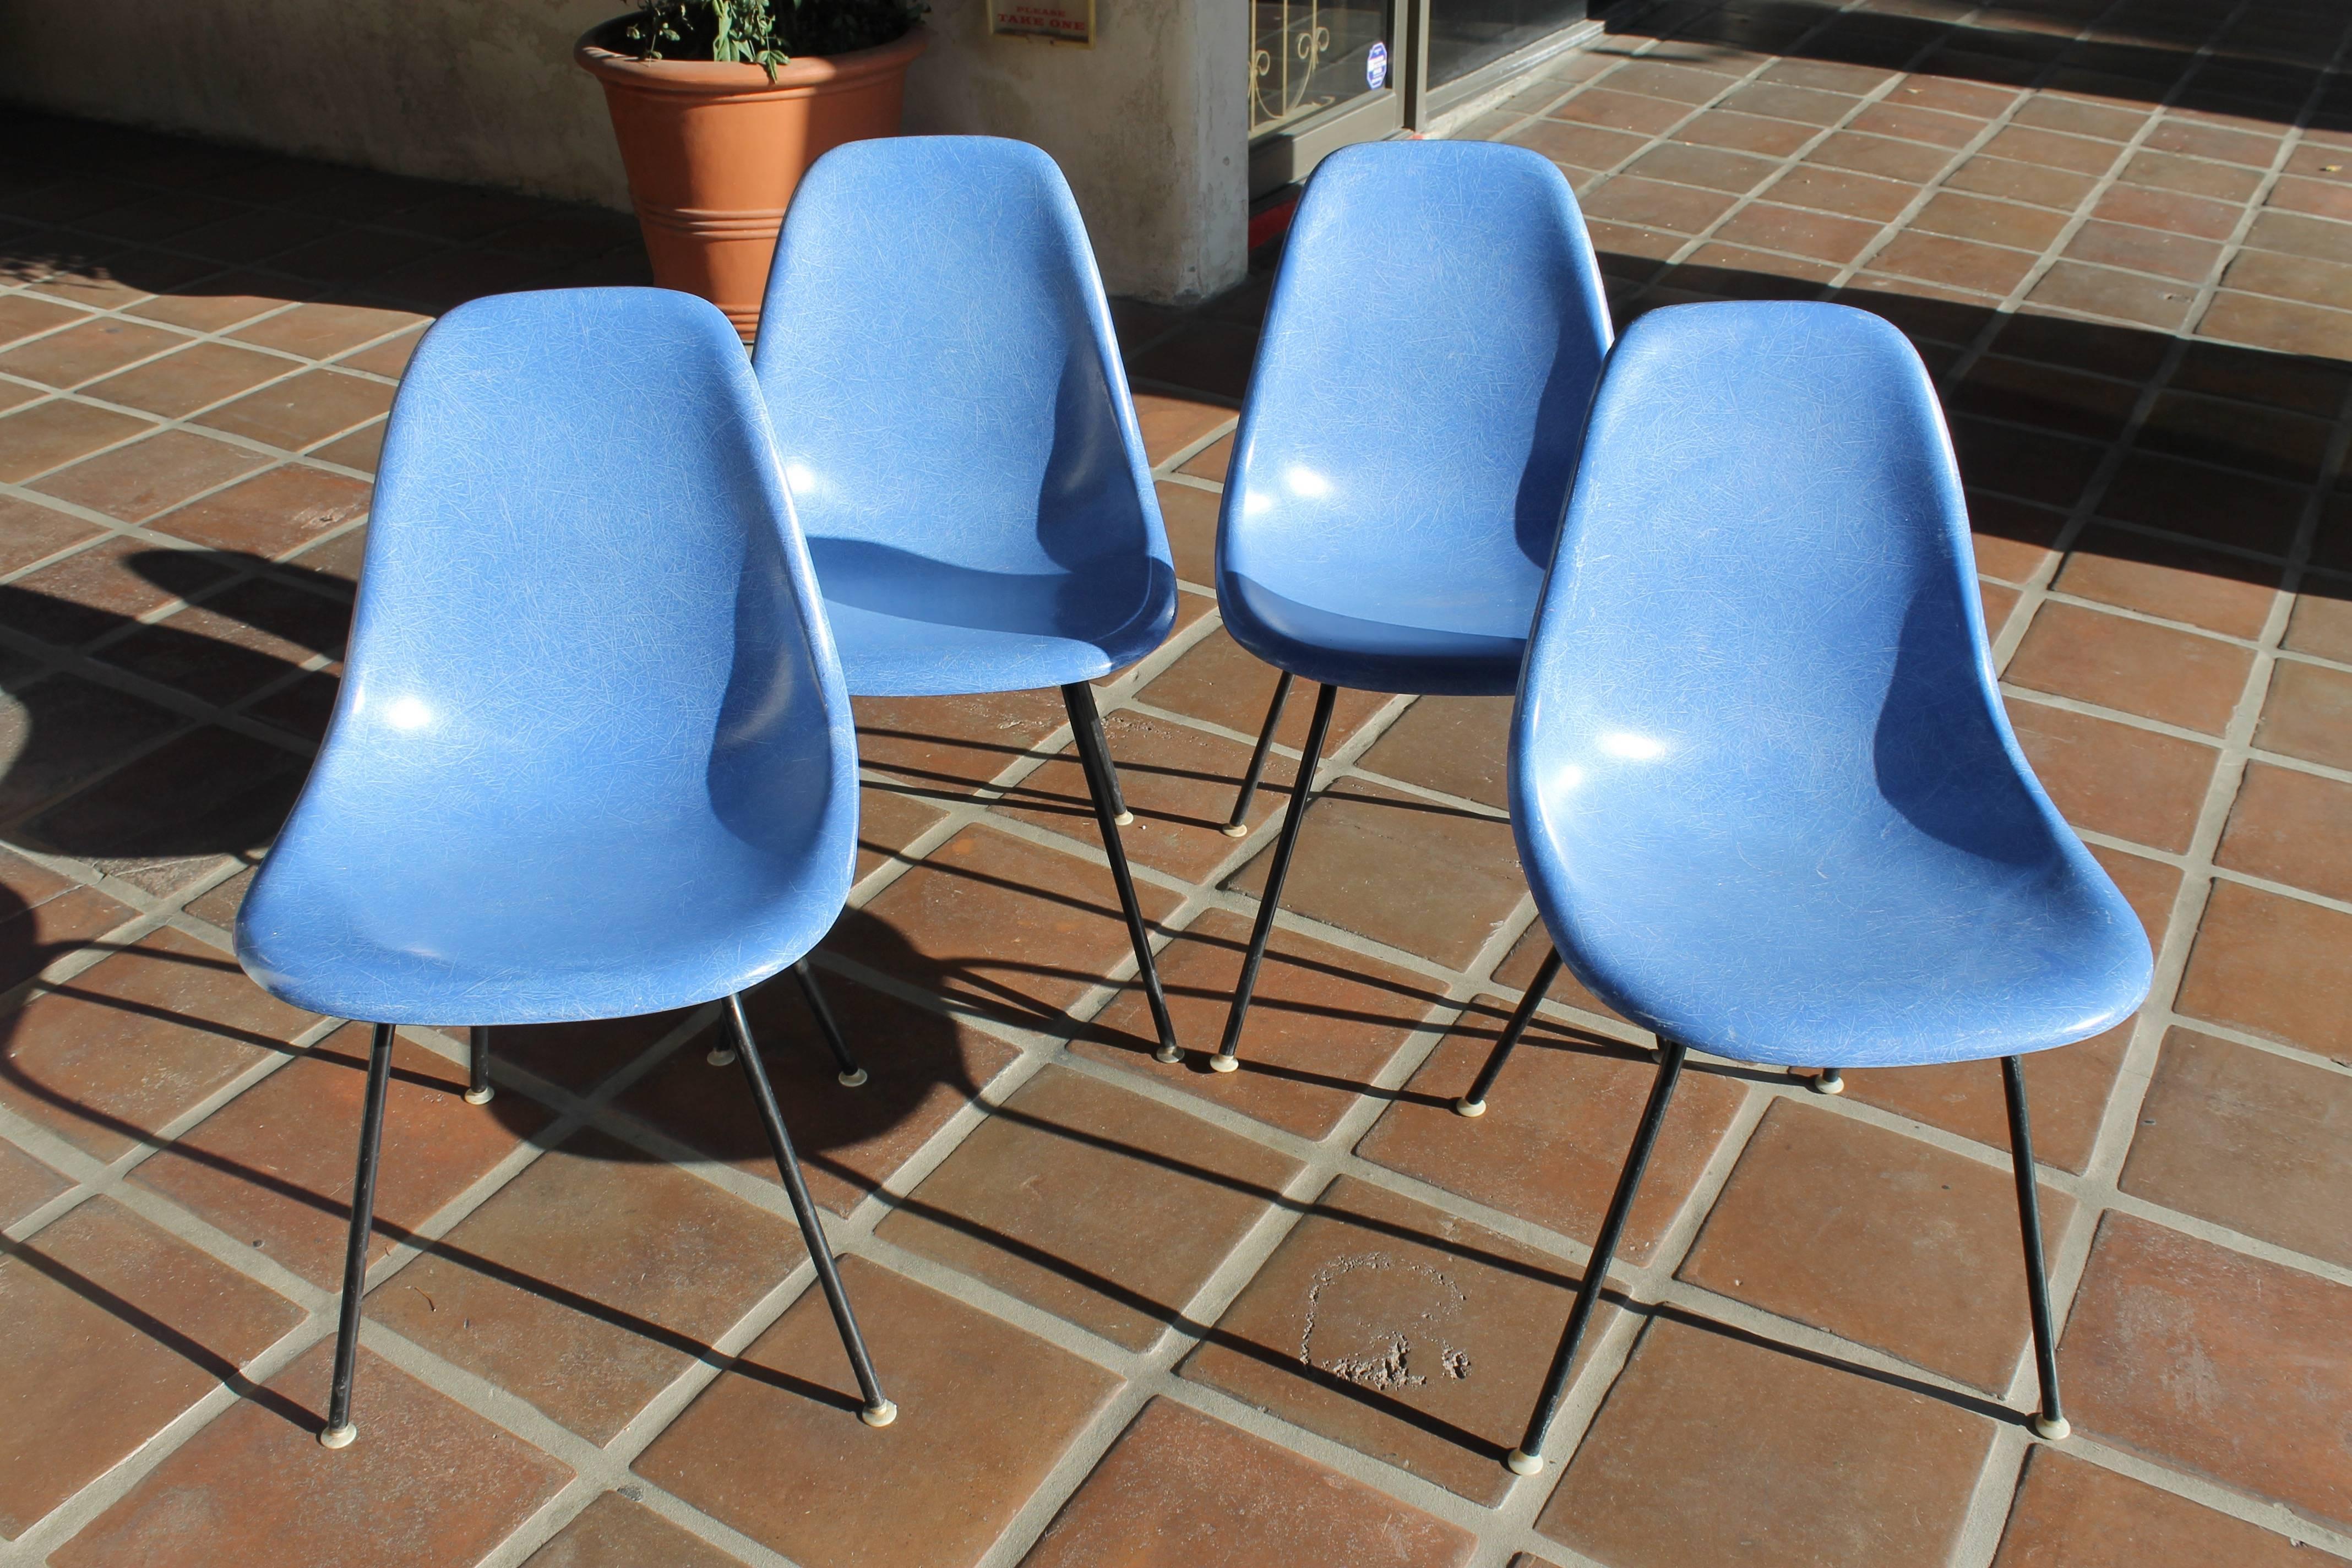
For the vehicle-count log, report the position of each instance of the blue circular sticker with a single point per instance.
(1376, 67)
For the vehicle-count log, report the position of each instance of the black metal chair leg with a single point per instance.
(1102, 783)
(851, 1075)
(340, 1429)
(477, 1084)
(1475, 1102)
(2051, 1422)
(1086, 728)
(1526, 1459)
(1238, 826)
(1227, 1057)
(879, 1410)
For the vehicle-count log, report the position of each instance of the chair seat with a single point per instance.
(1888, 947)
(532, 929)
(1443, 640)
(908, 626)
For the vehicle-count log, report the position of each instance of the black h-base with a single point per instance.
(1228, 1057)
(340, 1429)
(1110, 811)
(2050, 1421)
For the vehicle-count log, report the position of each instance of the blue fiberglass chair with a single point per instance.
(592, 756)
(956, 431)
(1412, 429)
(1760, 776)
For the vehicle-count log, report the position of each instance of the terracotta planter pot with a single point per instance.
(713, 152)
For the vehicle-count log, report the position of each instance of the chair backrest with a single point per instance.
(939, 361)
(584, 604)
(1760, 635)
(1421, 380)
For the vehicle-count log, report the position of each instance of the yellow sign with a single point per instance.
(1056, 21)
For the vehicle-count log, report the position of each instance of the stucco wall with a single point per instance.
(1150, 135)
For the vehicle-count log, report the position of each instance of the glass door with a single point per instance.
(1465, 36)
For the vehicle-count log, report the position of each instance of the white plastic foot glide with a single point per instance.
(1523, 1463)
(721, 1057)
(855, 1079)
(1829, 1080)
(339, 1437)
(1466, 1107)
(880, 1414)
(1223, 1063)
(1124, 819)
(1168, 1056)
(1236, 830)
(480, 1095)
(2054, 1431)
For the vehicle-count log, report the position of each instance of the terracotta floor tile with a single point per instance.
(775, 1447)
(22, 315)
(1850, 1471)
(429, 1481)
(361, 449)
(577, 1056)
(1651, 202)
(135, 482)
(182, 383)
(1517, 970)
(1987, 176)
(114, 1329)
(1818, 236)
(2302, 386)
(2318, 198)
(2289, 234)
(2214, 1362)
(953, 745)
(2289, 325)
(2187, 497)
(1859, 196)
(1988, 222)
(2237, 434)
(2273, 966)
(271, 514)
(2070, 1513)
(889, 818)
(60, 733)
(2115, 779)
(234, 642)
(1738, 132)
(26, 1184)
(1881, 1238)
(45, 916)
(2068, 1089)
(1580, 146)
(2032, 465)
(274, 1165)
(1172, 424)
(85, 352)
(1203, 356)
(1622, 110)
(387, 358)
(2180, 256)
(2321, 625)
(2190, 176)
(1556, 1127)
(1191, 518)
(30, 531)
(2078, 117)
(2247, 1139)
(1433, 879)
(2012, 537)
(1180, 1491)
(2183, 135)
(1407, 1334)
(923, 1067)
(2104, 291)
(2123, 354)
(1098, 1206)
(2308, 714)
(1781, 100)
(168, 816)
(133, 1042)
(1915, 124)
(2174, 676)
(2174, 212)
(304, 410)
(2291, 827)
(591, 1281)
(1000, 923)
(321, 328)
(1710, 168)
(1456, 744)
(614, 1532)
(102, 589)
(1218, 681)
(1323, 1024)
(2094, 407)
(2226, 593)
(50, 435)
(1882, 155)
(1180, 782)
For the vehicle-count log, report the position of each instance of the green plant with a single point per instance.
(765, 32)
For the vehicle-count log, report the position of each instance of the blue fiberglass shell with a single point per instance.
(1762, 780)
(1413, 420)
(593, 754)
(955, 425)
